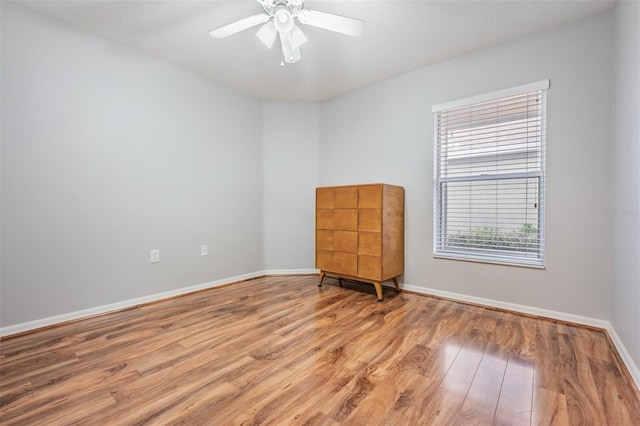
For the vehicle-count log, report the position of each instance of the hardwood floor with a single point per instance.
(282, 351)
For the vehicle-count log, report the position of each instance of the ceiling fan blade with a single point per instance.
(290, 55)
(328, 21)
(295, 56)
(297, 38)
(240, 25)
(267, 33)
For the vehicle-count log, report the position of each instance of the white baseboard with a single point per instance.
(624, 354)
(71, 316)
(270, 272)
(531, 310)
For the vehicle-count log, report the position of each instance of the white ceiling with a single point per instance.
(399, 36)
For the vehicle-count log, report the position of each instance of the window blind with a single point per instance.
(489, 177)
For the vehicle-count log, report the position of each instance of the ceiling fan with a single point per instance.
(278, 21)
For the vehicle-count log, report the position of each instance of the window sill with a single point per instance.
(489, 261)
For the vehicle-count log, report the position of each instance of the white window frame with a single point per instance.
(505, 257)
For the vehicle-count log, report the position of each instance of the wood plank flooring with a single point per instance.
(281, 351)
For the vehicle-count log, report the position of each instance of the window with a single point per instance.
(489, 177)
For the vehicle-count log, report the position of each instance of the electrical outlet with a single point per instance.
(204, 250)
(155, 256)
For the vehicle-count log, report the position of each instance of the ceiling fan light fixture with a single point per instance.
(283, 19)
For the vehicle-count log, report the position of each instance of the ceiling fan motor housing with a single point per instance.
(272, 6)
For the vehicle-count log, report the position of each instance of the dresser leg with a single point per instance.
(395, 281)
(321, 278)
(378, 286)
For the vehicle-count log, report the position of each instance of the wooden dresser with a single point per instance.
(360, 233)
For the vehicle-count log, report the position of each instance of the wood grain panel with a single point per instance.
(369, 220)
(345, 241)
(549, 408)
(324, 219)
(393, 244)
(345, 197)
(324, 198)
(324, 239)
(346, 263)
(393, 204)
(480, 404)
(281, 351)
(369, 196)
(370, 243)
(370, 267)
(393, 226)
(324, 260)
(345, 219)
(443, 408)
(514, 404)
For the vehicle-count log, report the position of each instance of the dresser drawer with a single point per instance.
(369, 220)
(370, 197)
(324, 219)
(324, 198)
(370, 243)
(324, 260)
(345, 198)
(345, 263)
(345, 219)
(324, 239)
(345, 241)
(370, 267)
(337, 262)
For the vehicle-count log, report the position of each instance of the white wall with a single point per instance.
(625, 210)
(108, 153)
(385, 133)
(290, 147)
